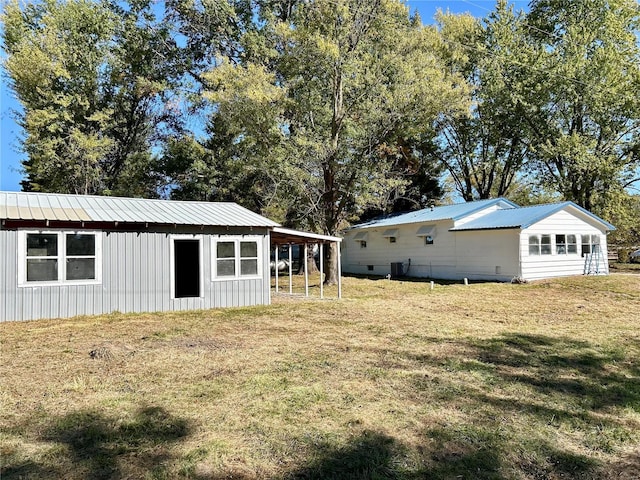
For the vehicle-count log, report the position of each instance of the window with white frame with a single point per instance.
(59, 257)
(572, 244)
(534, 245)
(590, 243)
(566, 245)
(236, 257)
(539, 244)
(561, 244)
(545, 244)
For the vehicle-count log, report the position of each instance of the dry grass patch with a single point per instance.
(490, 381)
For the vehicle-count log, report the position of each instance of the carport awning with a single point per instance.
(286, 236)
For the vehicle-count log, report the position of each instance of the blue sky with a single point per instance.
(10, 132)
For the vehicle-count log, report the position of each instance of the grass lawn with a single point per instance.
(625, 267)
(488, 381)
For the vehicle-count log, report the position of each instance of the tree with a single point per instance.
(322, 104)
(485, 149)
(583, 109)
(96, 81)
(55, 57)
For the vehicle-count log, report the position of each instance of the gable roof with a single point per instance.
(28, 206)
(445, 212)
(524, 217)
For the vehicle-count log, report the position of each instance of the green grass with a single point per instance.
(489, 381)
(625, 267)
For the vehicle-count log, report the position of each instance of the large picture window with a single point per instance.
(236, 257)
(59, 257)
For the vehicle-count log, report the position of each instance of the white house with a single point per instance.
(484, 240)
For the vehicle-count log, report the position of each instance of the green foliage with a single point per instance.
(585, 113)
(56, 53)
(485, 150)
(319, 113)
(621, 209)
(331, 103)
(95, 82)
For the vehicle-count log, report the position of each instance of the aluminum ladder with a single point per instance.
(593, 264)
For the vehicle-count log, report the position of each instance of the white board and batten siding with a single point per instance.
(136, 276)
(536, 267)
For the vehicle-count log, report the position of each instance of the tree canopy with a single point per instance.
(318, 113)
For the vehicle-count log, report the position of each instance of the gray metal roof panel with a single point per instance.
(63, 207)
(524, 217)
(445, 212)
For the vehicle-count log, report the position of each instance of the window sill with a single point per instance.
(65, 283)
(244, 277)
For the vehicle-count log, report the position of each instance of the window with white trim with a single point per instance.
(236, 257)
(59, 257)
(566, 244)
(545, 244)
(539, 244)
(589, 243)
(534, 245)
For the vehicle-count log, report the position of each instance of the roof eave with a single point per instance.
(562, 206)
(477, 229)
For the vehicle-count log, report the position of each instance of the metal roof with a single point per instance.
(446, 212)
(282, 236)
(63, 207)
(524, 217)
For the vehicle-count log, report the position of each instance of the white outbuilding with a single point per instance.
(484, 240)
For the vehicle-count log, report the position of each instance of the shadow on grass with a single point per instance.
(368, 456)
(102, 448)
(557, 382)
(374, 455)
(591, 376)
(564, 366)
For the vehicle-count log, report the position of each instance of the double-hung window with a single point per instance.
(235, 257)
(540, 245)
(590, 243)
(56, 257)
(566, 244)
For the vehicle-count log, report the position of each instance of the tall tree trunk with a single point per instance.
(331, 265)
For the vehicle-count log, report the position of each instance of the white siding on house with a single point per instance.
(135, 278)
(437, 260)
(560, 223)
(489, 244)
(487, 255)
